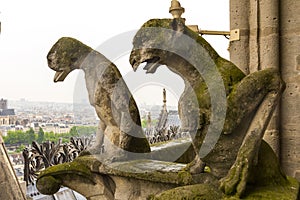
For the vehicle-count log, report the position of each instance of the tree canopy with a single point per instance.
(26, 137)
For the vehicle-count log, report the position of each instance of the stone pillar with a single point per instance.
(265, 53)
(270, 37)
(290, 68)
(258, 47)
(9, 186)
(239, 19)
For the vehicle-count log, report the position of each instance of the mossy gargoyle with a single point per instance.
(249, 100)
(108, 93)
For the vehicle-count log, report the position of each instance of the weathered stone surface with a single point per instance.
(148, 170)
(239, 153)
(209, 192)
(120, 180)
(239, 53)
(258, 47)
(141, 179)
(9, 186)
(180, 150)
(290, 104)
(136, 189)
(197, 191)
(268, 181)
(156, 46)
(270, 37)
(108, 93)
(77, 177)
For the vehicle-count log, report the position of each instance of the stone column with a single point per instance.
(270, 37)
(290, 68)
(265, 53)
(258, 47)
(239, 19)
(9, 186)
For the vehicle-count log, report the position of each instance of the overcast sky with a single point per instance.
(31, 27)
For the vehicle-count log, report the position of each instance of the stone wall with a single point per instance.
(270, 37)
(290, 68)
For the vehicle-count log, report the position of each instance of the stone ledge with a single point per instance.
(140, 179)
(145, 169)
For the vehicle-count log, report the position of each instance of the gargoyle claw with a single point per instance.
(235, 181)
(196, 166)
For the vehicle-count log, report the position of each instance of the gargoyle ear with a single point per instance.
(178, 24)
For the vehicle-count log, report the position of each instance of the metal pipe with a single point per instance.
(208, 32)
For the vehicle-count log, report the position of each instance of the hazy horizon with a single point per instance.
(30, 28)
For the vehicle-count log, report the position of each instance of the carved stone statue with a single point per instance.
(234, 159)
(250, 99)
(107, 92)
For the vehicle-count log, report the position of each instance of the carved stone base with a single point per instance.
(153, 179)
(136, 179)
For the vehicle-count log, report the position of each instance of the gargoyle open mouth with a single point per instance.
(61, 75)
(152, 64)
(150, 67)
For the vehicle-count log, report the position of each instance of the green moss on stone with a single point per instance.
(267, 180)
(89, 161)
(48, 185)
(185, 177)
(69, 168)
(287, 191)
(210, 192)
(171, 24)
(70, 46)
(267, 172)
(49, 180)
(253, 88)
(191, 192)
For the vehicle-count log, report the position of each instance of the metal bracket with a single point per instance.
(234, 35)
(176, 10)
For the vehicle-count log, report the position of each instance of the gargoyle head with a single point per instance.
(66, 55)
(150, 42)
(168, 42)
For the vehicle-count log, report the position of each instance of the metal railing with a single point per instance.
(41, 156)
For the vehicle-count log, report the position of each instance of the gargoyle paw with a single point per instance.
(235, 181)
(196, 166)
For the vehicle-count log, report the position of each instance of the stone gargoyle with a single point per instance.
(108, 94)
(236, 157)
(250, 100)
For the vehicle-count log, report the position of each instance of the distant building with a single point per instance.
(3, 104)
(54, 127)
(166, 119)
(7, 116)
